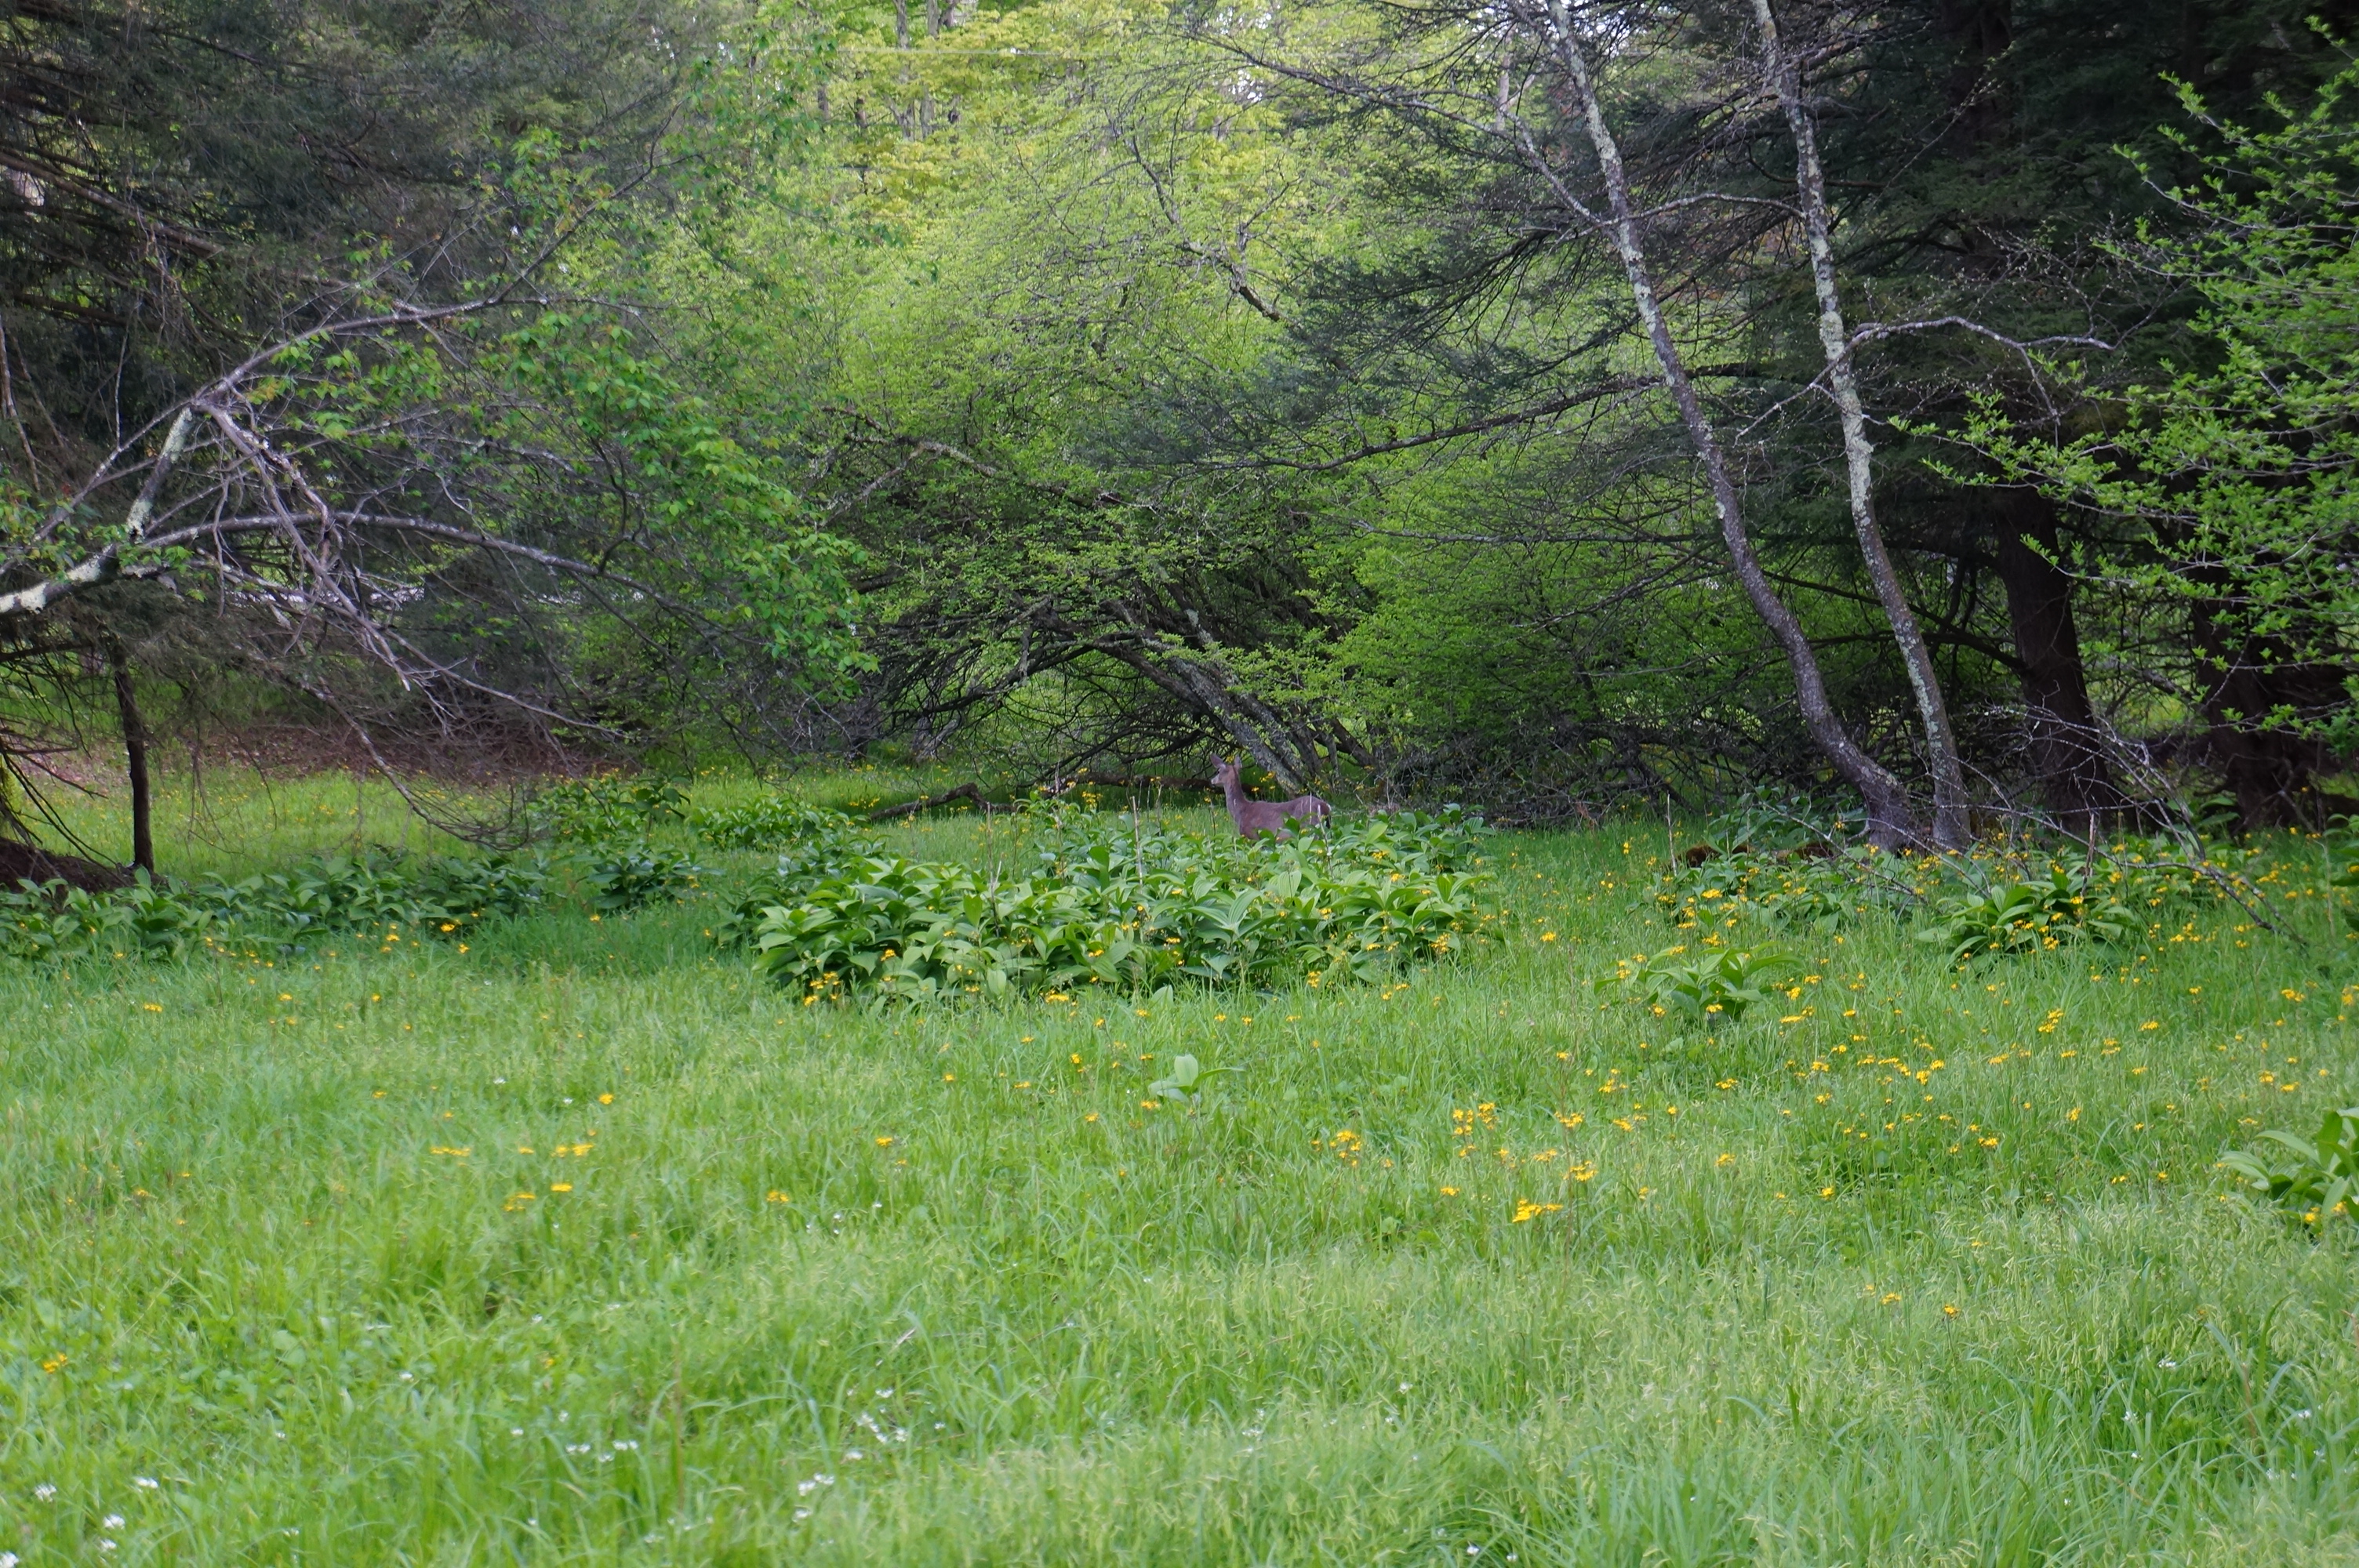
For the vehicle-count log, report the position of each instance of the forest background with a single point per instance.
(1554, 408)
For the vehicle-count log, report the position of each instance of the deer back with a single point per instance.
(1253, 817)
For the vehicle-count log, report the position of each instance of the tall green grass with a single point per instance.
(580, 1246)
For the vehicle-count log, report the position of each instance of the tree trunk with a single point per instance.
(1891, 822)
(2077, 782)
(134, 752)
(1952, 826)
(2257, 695)
(2076, 778)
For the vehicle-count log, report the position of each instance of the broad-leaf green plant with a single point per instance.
(605, 808)
(2314, 1176)
(621, 877)
(1136, 912)
(2045, 913)
(1711, 989)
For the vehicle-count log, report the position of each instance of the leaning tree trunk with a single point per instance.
(1891, 822)
(1952, 824)
(134, 752)
(1202, 680)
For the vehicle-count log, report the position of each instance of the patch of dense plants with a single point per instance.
(1819, 890)
(607, 824)
(814, 845)
(386, 897)
(1788, 861)
(1135, 911)
(1999, 916)
(2010, 905)
(604, 808)
(774, 822)
(1704, 990)
(1779, 862)
(609, 842)
(602, 827)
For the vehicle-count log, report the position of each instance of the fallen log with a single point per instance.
(928, 802)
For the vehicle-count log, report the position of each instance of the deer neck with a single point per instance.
(1238, 800)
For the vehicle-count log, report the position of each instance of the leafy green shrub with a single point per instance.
(775, 822)
(604, 809)
(913, 929)
(1783, 857)
(817, 844)
(1450, 839)
(338, 893)
(1136, 912)
(788, 883)
(1714, 987)
(2317, 1174)
(1412, 843)
(2029, 916)
(2155, 876)
(53, 920)
(1769, 821)
(627, 876)
(326, 895)
(453, 892)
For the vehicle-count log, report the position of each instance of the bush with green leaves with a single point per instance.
(814, 843)
(1770, 821)
(333, 893)
(336, 893)
(774, 822)
(605, 808)
(454, 892)
(788, 882)
(2154, 877)
(621, 877)
(2056, 910)
(1413, 843)
(1136, 912)
(1708, 989)
(2313, 1175)
(321, 896)
(1787, 858)
(53, 920)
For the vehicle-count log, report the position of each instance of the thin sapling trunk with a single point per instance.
(1953, 825)
(135, 754)
(1891, 822)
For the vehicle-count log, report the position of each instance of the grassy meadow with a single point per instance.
(578, 1245)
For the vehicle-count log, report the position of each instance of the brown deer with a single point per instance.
(1252, 816)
